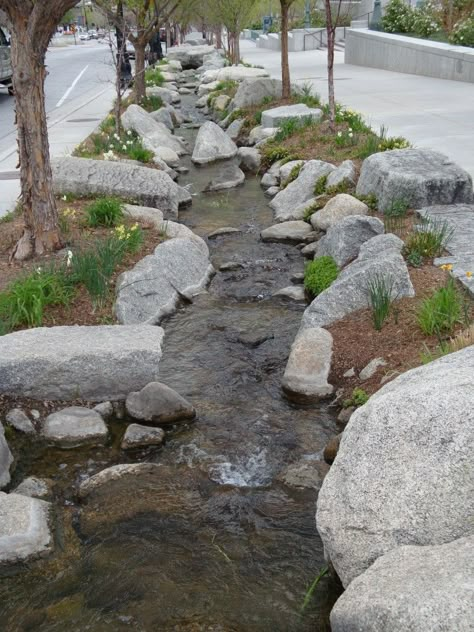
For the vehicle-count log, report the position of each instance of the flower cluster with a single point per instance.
(123, 233)
(447, 267)
(130, 238)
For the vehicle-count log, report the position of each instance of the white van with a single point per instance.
(5, 62)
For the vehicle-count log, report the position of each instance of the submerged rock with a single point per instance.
(115, 473)
(229, 177)
(158, 404)
(415, 588)
(225, 230)
(75, 426)
(404, 473)
(293, 292)
(137, 436)
(24, 530)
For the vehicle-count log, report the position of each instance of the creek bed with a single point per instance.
(220, 540)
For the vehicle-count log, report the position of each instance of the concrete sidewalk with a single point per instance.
(432, 113)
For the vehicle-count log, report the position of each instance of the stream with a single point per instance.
(224, 539)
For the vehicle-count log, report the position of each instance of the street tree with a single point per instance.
(285, 66)
(234, 15)
(32, 24)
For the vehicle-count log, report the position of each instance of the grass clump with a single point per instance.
(370, 200)
(380, 290)
(151, 103)
(319, 275)
(320, 185)
(104, 211)
(154, 76)
(359, 397)
(439, 313)
(8, 217)
(271, 153)
(430, 239)
(394, 216)
(289, 126)
(294, 173)
(109, 145)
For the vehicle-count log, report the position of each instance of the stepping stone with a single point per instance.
(226, 230)
(75, 426)
(229, 177)
(137, 436)
(300, 111)
(158, 404)
(294, 231)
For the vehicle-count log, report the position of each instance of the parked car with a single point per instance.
(6, 71)
(93, 34)
(84, 37)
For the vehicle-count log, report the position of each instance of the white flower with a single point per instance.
(65, 198)
(129, 133)
(117, 137)
(38, 270)
(339, 134)
(124, 147)
(69, 258)
(351, 134)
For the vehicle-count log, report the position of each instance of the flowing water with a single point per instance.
(218, 539)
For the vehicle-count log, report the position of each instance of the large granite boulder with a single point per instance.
(404, 473)
(191, 56)
(98, 363)
(300, 190)
(24, 529)
(250, 159)
(158, 404)
(233, 73)
(154, 135)
(261, 134)
(212, 61)
(419, 177)
(6, 459)
(254, 91)
(212, 143)
(233, 130)
(379, 245)
(86, 178)
(337, 208)
(228, 177)
(306, 374)
(152, 288)
(415, 588)
(163, 116)
(349, 292)
(344, 175)
(299, 112)
(344, 239)
(75, 426)
(165, 94)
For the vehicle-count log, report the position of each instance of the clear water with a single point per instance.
(215, 540)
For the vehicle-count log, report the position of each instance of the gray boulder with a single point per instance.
(269, 180)
(345, 174)
(137, 436)
(344, 239)
(254, 91)
(286, 214)
(207, 88)
(404, 473)
(155, 136)
(19, 420)
(302, 189)
(259, 134)
(233, 73)
(163, 116)
(165, 94)
(337, 208)
(84, 177)
(306, 373)
(6, 459)
(220, 103)
(34, 487)
(420, 177)
(73, 427)
(287, 231)
(115, 473)
(292, 292)
(272, 191)
(212, 143)
(176, 116)
(152, 288)
(371, 369)
(379, 245)
(299, 111)
(92, 363)
(234, 128)
(212, 61)
(24, 529)
(191, 57)
(158, 404)
(250, 159)
(412, 588)
(349, 291)
(229, 176)
(287, 168)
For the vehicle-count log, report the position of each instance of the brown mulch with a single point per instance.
(400, 342)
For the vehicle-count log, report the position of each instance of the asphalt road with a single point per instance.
(85, 68)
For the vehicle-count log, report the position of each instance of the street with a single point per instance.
(79, 92)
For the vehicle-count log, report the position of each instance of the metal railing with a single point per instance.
(317, 35)
(364, 15)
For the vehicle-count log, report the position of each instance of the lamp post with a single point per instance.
(85, 14)
(376, 16)
(307, 15)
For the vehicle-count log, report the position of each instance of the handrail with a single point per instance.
(318, 34)
(358, 17)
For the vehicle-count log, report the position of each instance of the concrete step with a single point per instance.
(359, 24)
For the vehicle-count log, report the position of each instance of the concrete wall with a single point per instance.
(299, 39)
(409, 55)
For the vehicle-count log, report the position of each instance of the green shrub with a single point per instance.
(154, 77)
(307, 96)
(393, 142)
(315, 206)
(104, 212)
(414, 259)
(431, 239)
(271, 153)
(320, 185)
(424, 21)
(463, 33)
(398, 17)
(8, 217)
(380, 291)
(131, 237)
(138, 152)
(24, 300)
(345, 138)
(319, 274)
(439, 313)
(227, 85)
(343, 187)
(359, 397)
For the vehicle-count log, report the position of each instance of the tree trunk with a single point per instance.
(219, 37)
(331, 99)
(285, 68)
(237, 48)
(41, 233)
(139, 71)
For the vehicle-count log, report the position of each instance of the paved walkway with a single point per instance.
(433, 113)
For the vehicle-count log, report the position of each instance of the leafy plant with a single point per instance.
(345, 138)
(315, 206)
(289, 126)
(271, 153)
(359, 397)
(151, 103)
(154, 77)
(8, 217)
(294, 173)
(440, 312)
(104, 211)
(463, 32)
(306, 95)
(415, 259)
(370, 199)
(380, 291)
(257, 117)
(431, 239)
(320, 185)
(398, 17)
(320, 274)
(393, 142)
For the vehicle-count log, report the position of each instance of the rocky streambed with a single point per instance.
(219, 534)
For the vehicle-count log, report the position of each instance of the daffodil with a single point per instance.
(469, 274)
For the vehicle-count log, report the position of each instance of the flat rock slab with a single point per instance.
(165, 94)
(419, 177)
(349, 292)
(75, 426)
(151, 290)
(295, 231)
(233, 73)
(299, 111)
(415, 588)
(157, 403)
(83, 177)
(460, 218)
(92, 363)
(137, 436)
(6, 459)
(115, 473)
(24, 530)
(307, 371)
(404, 473)
(212, 143)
